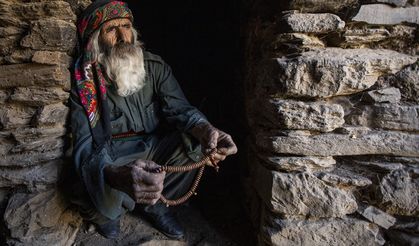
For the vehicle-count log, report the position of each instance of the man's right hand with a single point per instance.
(138, 180)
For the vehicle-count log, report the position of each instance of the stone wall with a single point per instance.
(333, 110)
(37, 40)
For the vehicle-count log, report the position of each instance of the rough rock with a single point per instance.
(31, 177)
(343, 178)
(387, 95)
(346, 231)
(29, 158)
(164, 243)
(14, 116)
(322, 5)
(362, 36)
(38, 10)
(22, 75)
(363, 142)
(8, 44)
(377, 216)
(27, 135)
(398, 3)
(52, 35)
(313, 23)
(297, 42)
(399, 194)
(38, 96)
(78, 5)
(401, 38)
(302, 194)
(407, 80)
(386, 116)
(39, 145)
(300, 164)
(6, 144)
(52, 114)
(41, 219)
(4, 96)
(334, 71)
(297, 115)
(387, 15)
(52, 58)
(10, 31)
(19, 55)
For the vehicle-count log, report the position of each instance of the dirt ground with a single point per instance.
(214, 217)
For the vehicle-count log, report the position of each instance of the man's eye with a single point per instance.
(127, 26)
(110, 29)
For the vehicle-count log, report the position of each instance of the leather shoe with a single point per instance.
(164, 221)
(110, 229)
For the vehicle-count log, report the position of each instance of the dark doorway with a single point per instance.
(201, 41)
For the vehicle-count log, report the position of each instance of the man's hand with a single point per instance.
(212, 138)
(138, 180)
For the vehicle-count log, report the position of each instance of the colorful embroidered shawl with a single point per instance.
(90, 82)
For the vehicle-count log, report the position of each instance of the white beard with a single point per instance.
(125, 67)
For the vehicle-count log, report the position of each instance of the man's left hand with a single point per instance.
(212, 138)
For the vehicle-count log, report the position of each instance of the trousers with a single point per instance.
(173, 149)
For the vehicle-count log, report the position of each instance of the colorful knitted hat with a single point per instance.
(90, 82)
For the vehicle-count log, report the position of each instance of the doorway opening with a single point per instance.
(201, 41)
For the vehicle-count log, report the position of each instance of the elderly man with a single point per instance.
(129, 116)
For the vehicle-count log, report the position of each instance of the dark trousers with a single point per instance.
(172, 149)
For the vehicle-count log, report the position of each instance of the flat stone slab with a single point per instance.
(302, 194)
(15, 116)
(313, 23)
(386, 95)
(407, 80)
(360, 141)
(301, 164)
(41, 219)
(386, 116)
(377, 216)
(39, 96)
(398, 3)
(335, 71)
(22, 75)
(398, 193)
(51, 35)
(343, 178)
(31, 177)
(322, 5)
(297, 42)
(346, 231)
(387, 15)
(298, 115)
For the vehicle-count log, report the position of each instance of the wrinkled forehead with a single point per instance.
(116, 23)
(100, 12)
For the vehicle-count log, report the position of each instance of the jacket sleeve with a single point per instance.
(89, 163)
(175, 107)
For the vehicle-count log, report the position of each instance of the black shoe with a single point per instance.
(164, 220)
(110, 230)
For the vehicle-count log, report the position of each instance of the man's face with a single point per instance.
(116, 31)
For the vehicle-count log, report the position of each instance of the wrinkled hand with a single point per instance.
(212, 138)
(138, 180)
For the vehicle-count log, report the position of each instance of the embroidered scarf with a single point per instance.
(89, 79)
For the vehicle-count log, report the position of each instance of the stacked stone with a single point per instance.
(332, 101)
(37, 39)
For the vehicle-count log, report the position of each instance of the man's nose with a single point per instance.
(120, 38)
